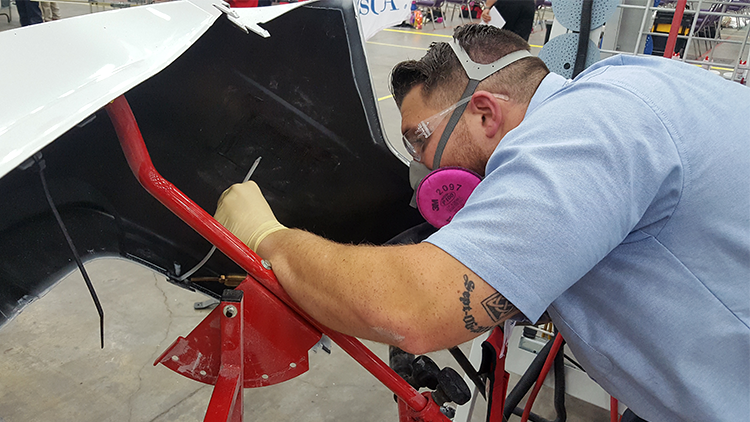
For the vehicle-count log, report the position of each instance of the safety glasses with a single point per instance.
(415, 139)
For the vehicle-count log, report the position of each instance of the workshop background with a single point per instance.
(51, 365)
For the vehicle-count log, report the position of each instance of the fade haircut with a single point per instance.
(443, 79)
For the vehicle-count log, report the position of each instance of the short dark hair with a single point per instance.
(443, 79)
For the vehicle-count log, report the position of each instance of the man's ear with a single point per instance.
(486, 106)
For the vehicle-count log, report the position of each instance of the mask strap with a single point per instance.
(452, 122)
(481, 72)
(476, 73)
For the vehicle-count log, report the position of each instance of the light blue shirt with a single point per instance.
(621, 204)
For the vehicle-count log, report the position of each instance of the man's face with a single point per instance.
(460, 150)
(414, 111)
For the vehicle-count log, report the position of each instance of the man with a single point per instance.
(50, 11)
(618, 202)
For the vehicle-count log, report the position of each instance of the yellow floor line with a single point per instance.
(418, 33)
(429, 34)
(396, 45)
(720, 68)
(385, 98)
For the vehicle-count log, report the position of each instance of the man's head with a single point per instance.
(424, 88)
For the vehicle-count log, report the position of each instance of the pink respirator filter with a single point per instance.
(443, 192)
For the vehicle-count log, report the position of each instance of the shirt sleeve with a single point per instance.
(562, 190)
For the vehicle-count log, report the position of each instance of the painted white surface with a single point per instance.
(250, 17)
(60, 72)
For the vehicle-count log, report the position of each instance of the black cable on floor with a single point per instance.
(574, 363)
(42, 165)
(468, 368)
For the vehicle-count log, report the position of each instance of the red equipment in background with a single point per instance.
(674, 28)
(243, 3)
(253, 3)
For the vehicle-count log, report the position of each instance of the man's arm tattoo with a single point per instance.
(496, 306)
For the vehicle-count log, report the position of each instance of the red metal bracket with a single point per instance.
(275, 340)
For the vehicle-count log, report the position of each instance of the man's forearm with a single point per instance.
(416, 297)
(338, 284)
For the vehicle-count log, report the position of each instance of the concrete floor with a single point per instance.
(51, 366)
(53, 369)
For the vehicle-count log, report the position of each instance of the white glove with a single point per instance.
(243, 210)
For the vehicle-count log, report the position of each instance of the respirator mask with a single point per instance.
(440, 193)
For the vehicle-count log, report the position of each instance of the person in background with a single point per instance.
(50, 11)
(518, 15)
(29, 12)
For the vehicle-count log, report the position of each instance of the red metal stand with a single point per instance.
(226, 400)
(614, 416)
(262, 280)
(243, 3)
(431, 412)
(556, 345)
(499, 377)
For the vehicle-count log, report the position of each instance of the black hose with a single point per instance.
(583, 37)
(559, 363)
(43, 165)
(527, 380)
(469, 370)
(574, 363)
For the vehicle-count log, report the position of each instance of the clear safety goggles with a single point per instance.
(415, 140)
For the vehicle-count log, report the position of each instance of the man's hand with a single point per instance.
(243, 210)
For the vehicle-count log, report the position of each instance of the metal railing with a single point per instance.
(712, 33)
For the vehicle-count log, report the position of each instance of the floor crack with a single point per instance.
(157, 347)
(178, 403)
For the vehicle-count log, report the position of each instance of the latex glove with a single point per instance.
(243, 210)
(486, 15)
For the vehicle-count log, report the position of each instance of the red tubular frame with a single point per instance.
(614, 415)
(499, 389)
(165, 192)
(226, 403)
(542, 375)
(675, 28)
